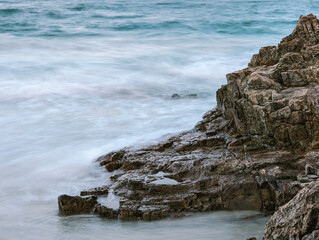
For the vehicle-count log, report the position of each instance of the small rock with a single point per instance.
(175, 96)
(192, 95)
(71, 205)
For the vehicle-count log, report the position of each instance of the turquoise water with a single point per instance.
(151, 18)
(81, 78)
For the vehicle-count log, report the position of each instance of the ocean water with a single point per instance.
(80, 78)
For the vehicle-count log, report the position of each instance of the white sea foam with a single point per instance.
(110, 201)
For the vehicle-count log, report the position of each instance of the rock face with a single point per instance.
(275, 100)
(256, 150)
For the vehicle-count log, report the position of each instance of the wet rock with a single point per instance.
(192, 95)
(151, 213)
(129, 210)
(112, 161)
(175, 96)
(106, 212)
(71, 205)
(98, 191)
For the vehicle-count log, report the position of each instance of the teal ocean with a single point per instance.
(79, 78)
(155, 19)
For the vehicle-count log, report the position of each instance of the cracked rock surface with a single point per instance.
(255, 151)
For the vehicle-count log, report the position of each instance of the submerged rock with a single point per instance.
(192, 95)
(256, 150)
(178, 96)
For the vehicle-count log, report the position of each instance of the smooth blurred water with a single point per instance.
(79, 78)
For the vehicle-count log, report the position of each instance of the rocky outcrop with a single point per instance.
(298, 219)
(275, 100)
(256, 150)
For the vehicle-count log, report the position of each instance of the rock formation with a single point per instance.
(256, 150)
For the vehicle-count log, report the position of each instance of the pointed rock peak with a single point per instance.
(307, 30)
(305, 34)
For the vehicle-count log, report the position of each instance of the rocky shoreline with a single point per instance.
(257, 150)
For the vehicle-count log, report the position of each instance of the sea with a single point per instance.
(80, 78)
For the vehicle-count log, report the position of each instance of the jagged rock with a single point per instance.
(298, 219)
(276, 98)
(112, 161)
(256, 150)
(71, 205)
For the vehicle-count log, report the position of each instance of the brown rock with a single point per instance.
(298, 219)
(106, 212)
(112, 161)
(98, 191)
(71, 205)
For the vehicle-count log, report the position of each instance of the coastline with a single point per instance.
(251, 152)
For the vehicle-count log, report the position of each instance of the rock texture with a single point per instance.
(256, 150)
(70, 205)
(276, 97)
(298, 219)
